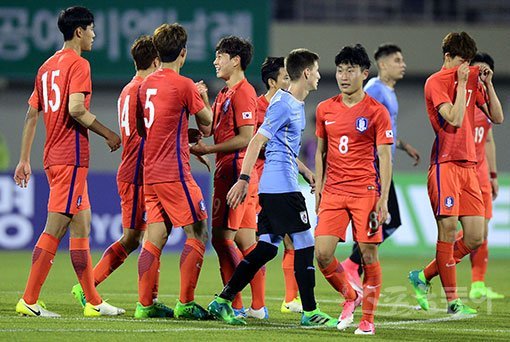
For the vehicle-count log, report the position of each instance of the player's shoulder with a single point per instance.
(245, 89)
(373, 84)
(375, 106)
(332, 101)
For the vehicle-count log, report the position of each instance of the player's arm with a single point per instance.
(204, 124)
(79, 112)
(238, 142)
(307, 174)
(320, 163)
(454, 113)
(494, 110)
(410, 150)
(238, 192)
(23, 170)
(490, 152)
(384, 154)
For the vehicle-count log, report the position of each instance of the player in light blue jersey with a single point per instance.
(391, 68)
(283, 205)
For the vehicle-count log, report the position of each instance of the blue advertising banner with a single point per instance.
(23, 211)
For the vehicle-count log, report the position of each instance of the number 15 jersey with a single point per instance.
(352, 135)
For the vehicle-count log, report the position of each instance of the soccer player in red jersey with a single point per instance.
(172, 197)
(354, 133)
(62, 92)
(451, 96)
(234, 230)
(130, 172)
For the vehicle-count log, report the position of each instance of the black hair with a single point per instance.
(483, 57)
(386, 50)
(353, 55)
(271, 68)
(298, 60)
(235, 46)
(73, 17)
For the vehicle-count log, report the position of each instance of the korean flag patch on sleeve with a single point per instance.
(389, 133)
(247, 115)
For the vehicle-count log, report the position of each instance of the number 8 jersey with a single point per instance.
(352, 135)
(63, 74)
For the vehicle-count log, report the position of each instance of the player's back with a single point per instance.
(284, 124)
(352, 135)
(452, 143)
(131, 167)
(63, 74)
(167, 99)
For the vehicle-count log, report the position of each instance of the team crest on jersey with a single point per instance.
(361, 124)
(448, 202)
(304, 216)
(78, 201)
(201, 205)
(226, 104)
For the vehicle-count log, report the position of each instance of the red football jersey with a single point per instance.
(451, 143)
(233, 108)
(167, 100)
(352, 135)
(482, 127)
(262, 105)
(63, 74)
(131, 166)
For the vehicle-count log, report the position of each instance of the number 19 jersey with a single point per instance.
(352, 135)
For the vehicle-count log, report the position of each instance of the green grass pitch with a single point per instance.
(396, 318)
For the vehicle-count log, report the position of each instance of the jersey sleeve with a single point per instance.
(383, 131)
(320, 130)
(481, 95)
(437, 92)
(79, 78)
(33, 101)
(277, 116)
(192, 99)
(244, 107)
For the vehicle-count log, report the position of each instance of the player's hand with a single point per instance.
(22, 174)
(413, 153)
(194, 135)
(237, 194)
(202, 90)
(199, 149)
(310, 179)
(463, 73)
(113, 141)
(203, 159)
(486, 74)
(381, 208)
(495, 188)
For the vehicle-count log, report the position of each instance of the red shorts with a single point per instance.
(244, 216)
(487, 199)
(68, 189)
(132, 205)
(177, 203)
(335, 212)
(454, 190)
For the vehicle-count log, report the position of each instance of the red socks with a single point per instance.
(192, 257)
(479, 258)
(460, 250)
(82, 263)
(112, 258)
(291, 287)
(447, 268)
(335, 275)
(148, 266)
(258, 284)
(42, 259)
(229, 257)
(372, 282)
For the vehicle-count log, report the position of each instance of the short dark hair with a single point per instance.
(483, 57)
(271, 68)
(143, 52)
(169, 40)
(73, 17)
(385, 50)
(298, 60)
(459, 44)
(353, 55)
(235, 46)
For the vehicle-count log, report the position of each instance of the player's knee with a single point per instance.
(323, 258)
(130, 243)
(473, 242)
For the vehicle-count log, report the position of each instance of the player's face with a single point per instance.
(224, 65)
(313, 76)
(87, 38)
(283, 79)
(350, 78)
(395, 66)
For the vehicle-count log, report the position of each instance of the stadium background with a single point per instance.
(28, 35)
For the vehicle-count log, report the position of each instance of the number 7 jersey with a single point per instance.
(352, 135)
(63, 74)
